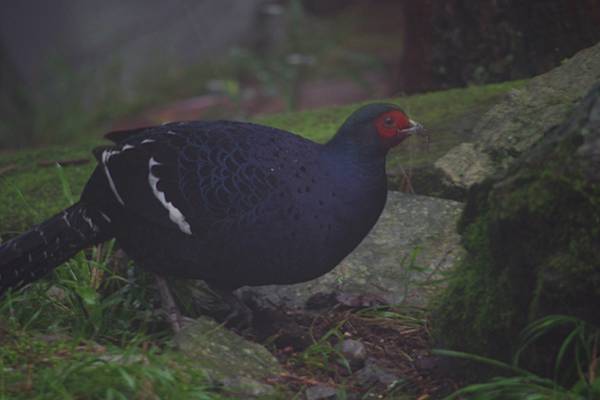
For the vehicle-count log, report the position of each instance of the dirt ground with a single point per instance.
(355, 347)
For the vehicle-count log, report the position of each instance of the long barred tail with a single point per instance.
(33, 254)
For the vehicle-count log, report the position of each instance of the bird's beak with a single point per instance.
(415, 128)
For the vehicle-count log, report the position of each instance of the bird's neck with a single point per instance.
(358, 157)
(356, 167)
(359, 143)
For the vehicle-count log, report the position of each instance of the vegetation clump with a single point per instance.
(533, 243)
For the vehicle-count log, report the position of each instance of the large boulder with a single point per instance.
(228, 360)
(514, 125)
(532, 237)
(414, 240)
(412, 245)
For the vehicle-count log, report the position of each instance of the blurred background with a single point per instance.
(71, 69)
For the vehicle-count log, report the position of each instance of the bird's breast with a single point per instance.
(319, 221)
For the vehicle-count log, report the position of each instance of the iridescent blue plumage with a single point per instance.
(236, 203)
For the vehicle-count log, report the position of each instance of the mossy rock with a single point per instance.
(533, 242)
(237, 364)
(514, 125)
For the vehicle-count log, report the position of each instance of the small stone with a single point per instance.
(372, 374)
(53, 338)
(247, 386)
(123, 359)
(354, 353)
(56, 293)
(361, 300)
(320, 392)
(320, 301)
(427, 363)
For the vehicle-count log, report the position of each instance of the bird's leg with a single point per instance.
(168, 304)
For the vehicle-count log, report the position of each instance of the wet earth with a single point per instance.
(352, 347)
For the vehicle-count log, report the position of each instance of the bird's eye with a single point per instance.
(388, 121)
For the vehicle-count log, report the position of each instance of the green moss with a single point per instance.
(30, 192)
(533, 250)
(478, 291)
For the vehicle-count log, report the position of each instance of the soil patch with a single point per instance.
(373, 351)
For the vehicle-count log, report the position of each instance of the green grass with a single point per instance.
(320, 355)
(86, 331)
(37, 367)
(78, 334)
(30, 192)
(576, 372)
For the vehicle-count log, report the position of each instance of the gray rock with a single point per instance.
(372, 374)
(234, 362)
(532, 246)
(56, 293)
(320, 392)
(414, 239)
(354, 352)
(517, 123)
(465, 165)
(122, 359)
(588, 154)
(248, 386)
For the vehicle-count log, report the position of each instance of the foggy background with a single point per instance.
(71, 70)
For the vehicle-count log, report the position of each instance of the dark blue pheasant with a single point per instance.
(231, 203)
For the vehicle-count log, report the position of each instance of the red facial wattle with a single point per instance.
(390, 125)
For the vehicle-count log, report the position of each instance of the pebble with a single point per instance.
(320, 392)
(372, 374)
(354, 352)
